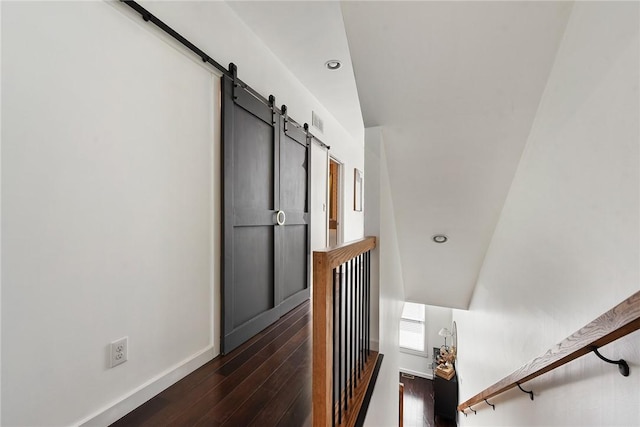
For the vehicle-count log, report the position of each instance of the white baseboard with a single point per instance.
(146, 391)
(375, 346)
(428, 376)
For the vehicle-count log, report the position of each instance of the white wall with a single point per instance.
(566, 248)
(386, 273)
(215, 28)
(319, 196)
(108, 212)
(436, 319)
(373, 141)
(110, 199)
(0, 224)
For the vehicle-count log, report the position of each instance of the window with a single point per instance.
(412, 327)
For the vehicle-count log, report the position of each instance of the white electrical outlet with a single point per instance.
(119, 351)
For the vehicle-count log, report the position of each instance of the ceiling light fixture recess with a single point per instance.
(333, 64)
(440, 238)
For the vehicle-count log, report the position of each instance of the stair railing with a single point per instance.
(621, 320)
(344, 366)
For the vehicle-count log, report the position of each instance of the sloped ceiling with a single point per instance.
(455, 87)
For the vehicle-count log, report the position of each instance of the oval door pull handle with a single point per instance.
(281, 217)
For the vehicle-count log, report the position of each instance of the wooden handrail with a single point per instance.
(324, 261)
(334, 256)
(615, 323)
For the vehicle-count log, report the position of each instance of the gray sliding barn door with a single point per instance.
(266, 216)
(294, 236)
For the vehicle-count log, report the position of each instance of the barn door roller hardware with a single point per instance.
(231, 73)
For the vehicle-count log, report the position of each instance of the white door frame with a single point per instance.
(319, 213)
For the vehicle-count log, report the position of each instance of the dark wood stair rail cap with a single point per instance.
(621, 320)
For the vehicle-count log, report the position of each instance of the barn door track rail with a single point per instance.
(231, 72)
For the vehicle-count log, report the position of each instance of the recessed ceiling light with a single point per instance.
(333, 64)
(440, 238)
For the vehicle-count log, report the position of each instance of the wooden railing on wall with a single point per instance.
(343, 362)
(615, 323)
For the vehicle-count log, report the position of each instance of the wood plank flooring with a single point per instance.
(264, 382)
(418, 404)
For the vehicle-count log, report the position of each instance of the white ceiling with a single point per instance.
(305, 35)
(454, 86)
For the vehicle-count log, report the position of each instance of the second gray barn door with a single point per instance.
(266, 215)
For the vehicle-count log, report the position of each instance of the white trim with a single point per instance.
(414, 352)
(215, 214)
(326, 198)
(417, 373)
(151, 388)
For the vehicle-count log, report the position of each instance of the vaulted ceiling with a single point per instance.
(454, 86)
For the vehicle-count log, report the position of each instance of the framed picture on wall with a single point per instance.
(357, 189)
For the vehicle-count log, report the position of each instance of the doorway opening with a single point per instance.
(335, 205)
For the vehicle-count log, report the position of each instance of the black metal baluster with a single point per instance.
(361, 317)
(346, 341)
(364, 311)
(369, 302)
(340, 344)
(359, 290)
(355, 329)
(333, 388)
(364, 316)
(347, 335)
(366, 307)
(354, 319)
(350, 358)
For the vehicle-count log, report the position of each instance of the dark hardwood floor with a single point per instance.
(418, 404)
(264, 382)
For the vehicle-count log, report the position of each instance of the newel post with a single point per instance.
(322, 340)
